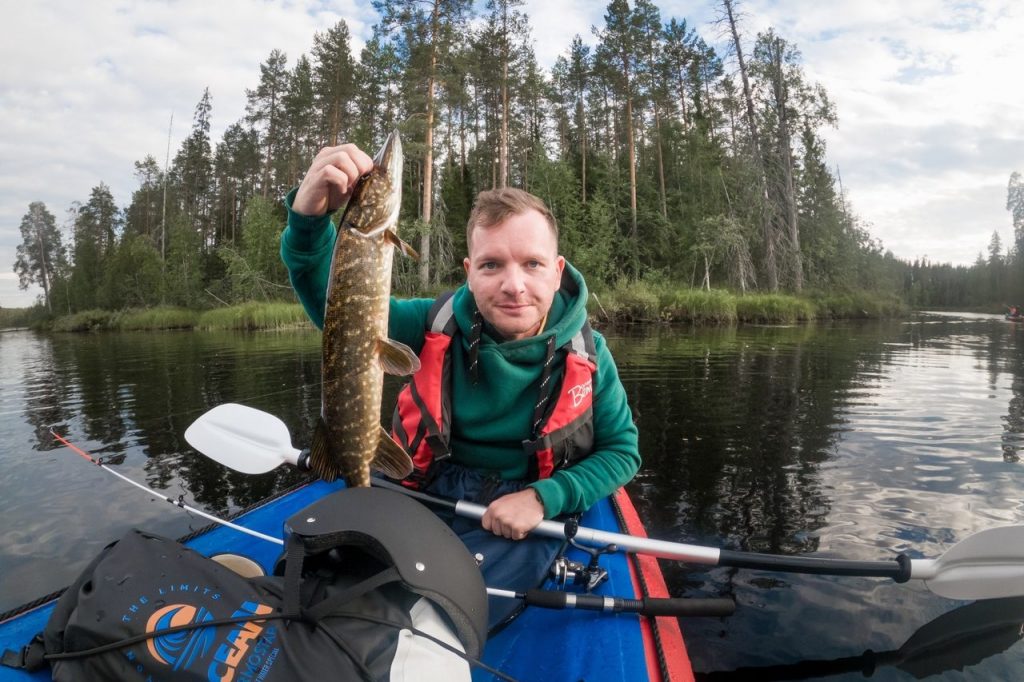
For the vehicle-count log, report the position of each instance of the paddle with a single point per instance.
(957, 639)
(986, 565)
(548, 599)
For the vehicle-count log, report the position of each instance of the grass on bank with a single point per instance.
(245, 316)
(644, 301)
(255, 316)
(627, 302)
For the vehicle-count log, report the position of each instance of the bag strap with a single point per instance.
(329, 606)
(296, 552)
(294, 556)
(29, 658)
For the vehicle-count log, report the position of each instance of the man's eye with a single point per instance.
(533, 264)
(490, 265)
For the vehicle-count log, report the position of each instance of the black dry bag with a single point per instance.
(372, 586)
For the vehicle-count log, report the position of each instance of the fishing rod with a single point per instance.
(548, 599)
(986, 565)
(180, 503)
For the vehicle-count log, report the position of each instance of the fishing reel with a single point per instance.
(567, 572)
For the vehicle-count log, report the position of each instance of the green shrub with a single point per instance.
(85, 321)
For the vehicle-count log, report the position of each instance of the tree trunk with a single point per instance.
(632, 156)
(661, 163)
(45, 273)
(428, 159)
(503, 144)
(583, 157)
(767, 225)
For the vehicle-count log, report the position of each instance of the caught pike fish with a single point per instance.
(349, 439)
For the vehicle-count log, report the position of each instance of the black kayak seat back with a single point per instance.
(398, 531)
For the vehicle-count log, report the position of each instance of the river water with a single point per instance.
(856, 440)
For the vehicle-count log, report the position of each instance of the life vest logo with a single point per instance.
(580, 391)
(179, 649)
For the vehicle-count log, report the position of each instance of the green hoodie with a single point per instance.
(492, 417)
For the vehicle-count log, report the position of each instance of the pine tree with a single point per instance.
(334, 82)
(41, 253)
(264, 112)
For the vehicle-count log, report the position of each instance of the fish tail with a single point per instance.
(320, 460)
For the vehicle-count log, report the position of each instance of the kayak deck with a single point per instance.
(540, 644)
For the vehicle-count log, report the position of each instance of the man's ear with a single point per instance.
(465, 266)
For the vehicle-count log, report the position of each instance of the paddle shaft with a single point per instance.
(898, 569)
(987, 564)
(548, 599)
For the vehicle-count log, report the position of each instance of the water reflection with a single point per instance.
(854, 441)
(851, 440)
(954, 641)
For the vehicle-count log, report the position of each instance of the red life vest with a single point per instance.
(564, 431)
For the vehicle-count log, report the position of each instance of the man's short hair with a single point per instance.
(494, 206)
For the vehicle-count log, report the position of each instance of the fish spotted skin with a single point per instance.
(356, 349)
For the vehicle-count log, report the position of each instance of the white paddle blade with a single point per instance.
(986, 565)
(242, 438)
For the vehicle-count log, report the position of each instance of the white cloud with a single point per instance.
(929, 117)
(926, 91)
(87, 89)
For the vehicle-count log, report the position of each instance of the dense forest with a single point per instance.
(662, 157)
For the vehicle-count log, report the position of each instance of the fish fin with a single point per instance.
(396, 358)
(320, 460)
(406, 250)
(391, 460)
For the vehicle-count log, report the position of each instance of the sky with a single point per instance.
(927, 94)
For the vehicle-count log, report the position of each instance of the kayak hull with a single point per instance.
(540, 644)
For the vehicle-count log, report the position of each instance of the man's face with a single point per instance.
(514, 270)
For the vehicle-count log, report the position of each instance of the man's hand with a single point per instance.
(514, 515)
(329, 181)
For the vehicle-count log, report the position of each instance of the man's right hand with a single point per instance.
(329, 181)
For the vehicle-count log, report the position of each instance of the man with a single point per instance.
(538, 423)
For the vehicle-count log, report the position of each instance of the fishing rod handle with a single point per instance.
(648, 606)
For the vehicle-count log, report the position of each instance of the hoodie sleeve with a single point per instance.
(616, 456)
(306, 246)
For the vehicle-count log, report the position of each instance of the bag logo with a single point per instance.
(580, 391)
(247, 652)
(179, 649)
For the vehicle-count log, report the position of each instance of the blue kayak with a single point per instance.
(540, 644)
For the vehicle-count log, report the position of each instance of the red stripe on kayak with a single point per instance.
(677, 661)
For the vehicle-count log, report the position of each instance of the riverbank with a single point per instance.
(625, 304)
(646, 302)
(247, 316)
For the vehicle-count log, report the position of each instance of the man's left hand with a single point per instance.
(513, 516)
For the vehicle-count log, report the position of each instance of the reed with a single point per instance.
(163, 317)
(637, 301)
(698, 306)
(774, 309)
(255, 316)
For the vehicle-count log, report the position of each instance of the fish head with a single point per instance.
(377, 198)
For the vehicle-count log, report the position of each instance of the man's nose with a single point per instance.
(514, 281)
